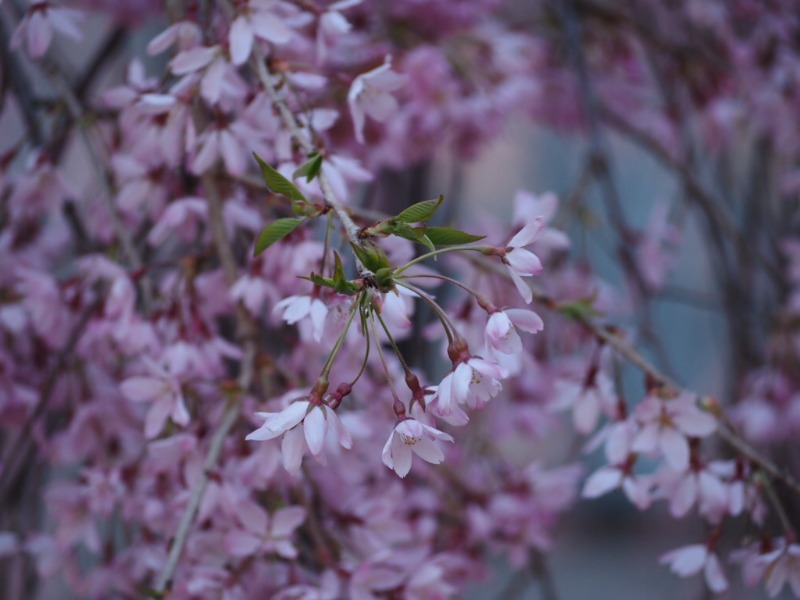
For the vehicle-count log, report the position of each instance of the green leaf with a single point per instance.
(371, 255)
(447, 236)
(415, 234)
(310, 168)
(338, 269)
(421, 211)
(277, 230)
(277, 182)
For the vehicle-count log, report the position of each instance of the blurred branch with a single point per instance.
(247, 335)
(19, 83)
(609, 336)
(20, 452)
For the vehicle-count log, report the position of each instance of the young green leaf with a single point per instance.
(415, 234)
(310, 168)
(421, 211)
(371, 255)
(338, 269)
(275, 231)
(447, 236)
(277, 182)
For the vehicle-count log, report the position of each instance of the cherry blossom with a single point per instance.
(41, 20)
(666, 424)
(410, 436)
(782, 566)
(164, 390)
(520, 261)
(501, 335)
(690, 560)
(319, 421)
(296, 308)
(256, 21)
(370, 94)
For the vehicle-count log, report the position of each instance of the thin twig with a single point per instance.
(22, 89)
(247, 335)
(20, 452)
(624, 349)
(124, 236)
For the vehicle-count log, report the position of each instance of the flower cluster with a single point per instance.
(215, 384)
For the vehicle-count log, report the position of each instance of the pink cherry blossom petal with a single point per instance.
(428, 451)
(675, 448)
(241, 40)
(526, 320)
(293, 448)
(314, 426)
(601, 482)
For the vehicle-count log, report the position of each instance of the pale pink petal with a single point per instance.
(139, 389)
(647, 439)
(192, 60)
(39, 34)
(289, 416)
(715, 578)
(318, 311)
(675, 448)
(286, 520)
(163, 40)
(379, 106)
(240, 40)
(686, 561)
(436, 434)
(297, 307)
(293, 448)
(342, 434)
(157, 417)
(601, 482)
(211, 84)
(386, 453)
(637, 491)
(314, 427)
(695, 423)
(242, 543)
(586, 411)
(208, 154)
(526, 320)
(401, 456)
(527, 234)
(523, 262)
(522, 287)
(233, 153)
(462, 377)
(500, 334)
(263, 433)
(269, 27)
(683, 497)
(180, 414)
(428, 451)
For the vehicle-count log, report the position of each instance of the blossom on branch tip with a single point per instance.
(37, 26)
(690, 560)
(666, 425)
(370, 95)
(319, 421)
(521, 262)
(295, 308)
(410, 436)
(164, 391)
(255, 21)
(501, 334)
(782, 566)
